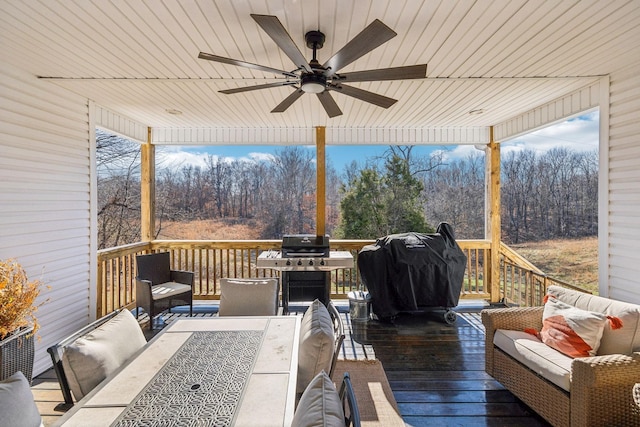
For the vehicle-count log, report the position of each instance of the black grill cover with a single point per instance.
(411, 271)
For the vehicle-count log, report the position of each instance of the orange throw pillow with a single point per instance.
(570, 330)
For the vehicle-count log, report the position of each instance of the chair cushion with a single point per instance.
(319, 405)
(624, 340)
(248, 297)
(316, 344)
(537, 356)
(570, 330)
(92, 357)
(168, 289)
(17, 407)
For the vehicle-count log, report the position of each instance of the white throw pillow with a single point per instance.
(316, 344)
(92, 357)
(319, 405)
(570, 330)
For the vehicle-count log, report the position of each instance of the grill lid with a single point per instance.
(305, 244)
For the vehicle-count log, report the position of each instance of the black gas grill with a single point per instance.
(305, 285)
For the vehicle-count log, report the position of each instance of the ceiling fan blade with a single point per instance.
(364, 95)
(216, 58)
(280, 108)
(255, 87)
(395, 73)
(368, 39)
(273, 27)
(329, 104)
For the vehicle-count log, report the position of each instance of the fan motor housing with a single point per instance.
(314, 39)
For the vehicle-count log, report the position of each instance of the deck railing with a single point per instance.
(520, 281)
(524, 284)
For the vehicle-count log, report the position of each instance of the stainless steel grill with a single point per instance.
(305, 283)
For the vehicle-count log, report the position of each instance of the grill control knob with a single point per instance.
(288, 262)
(310, 262)
(299, 262)
(321, 262)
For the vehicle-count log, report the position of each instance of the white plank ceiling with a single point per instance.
(139, 58)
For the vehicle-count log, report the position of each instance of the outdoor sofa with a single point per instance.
(567, 391)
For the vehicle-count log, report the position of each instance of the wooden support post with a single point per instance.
(494, 216)
(321, 176)
(148, 190)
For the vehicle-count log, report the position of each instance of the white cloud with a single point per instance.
(460, 152)
(577, 134)
(176, 157)
(260, 157)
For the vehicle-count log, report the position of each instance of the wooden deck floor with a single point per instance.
(436, 370)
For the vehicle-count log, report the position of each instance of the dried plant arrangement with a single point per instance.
(17, 299)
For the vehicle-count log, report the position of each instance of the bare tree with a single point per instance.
(118, 170)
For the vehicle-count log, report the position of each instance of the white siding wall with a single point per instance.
(45, 209)
(623, 216)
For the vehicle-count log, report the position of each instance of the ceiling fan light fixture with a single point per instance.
(313, 83)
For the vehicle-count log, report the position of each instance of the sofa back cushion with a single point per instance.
(320, 405)
(316, 344)
(624, 340)
(91, 358)
(17, 407)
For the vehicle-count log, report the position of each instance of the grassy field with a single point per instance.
(574, 261)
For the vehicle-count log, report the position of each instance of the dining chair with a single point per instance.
(249, 297)
(348, 398)
(338, 333)
(159, 288)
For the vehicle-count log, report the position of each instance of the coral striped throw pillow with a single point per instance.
(573, 331)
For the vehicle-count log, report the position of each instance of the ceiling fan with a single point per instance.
(311, 77)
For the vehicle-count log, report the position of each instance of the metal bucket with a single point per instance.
(359, 306)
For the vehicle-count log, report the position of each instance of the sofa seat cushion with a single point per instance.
(94, 356)
(536, 355)
(623, 340)
(168, 289)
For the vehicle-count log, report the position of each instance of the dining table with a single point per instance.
(216, 371)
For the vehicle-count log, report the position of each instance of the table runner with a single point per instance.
(200, 385)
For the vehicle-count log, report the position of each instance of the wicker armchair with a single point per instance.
(159, 288)
(600, 385)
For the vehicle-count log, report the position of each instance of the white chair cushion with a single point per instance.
(92, 357)
(17, 407)
(316, 344)
(168, 289)
(248, 297)
(536, 355)
(319, 405)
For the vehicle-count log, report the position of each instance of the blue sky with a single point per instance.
(579, 134)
